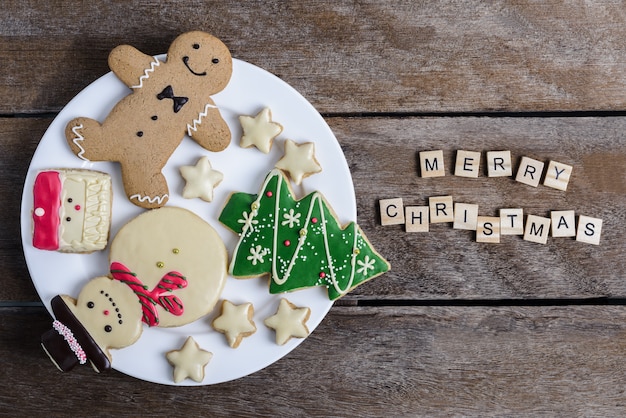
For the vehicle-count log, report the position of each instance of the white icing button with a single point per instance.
(40, 212)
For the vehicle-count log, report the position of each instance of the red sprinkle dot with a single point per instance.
(269, 194)
(322, 274)
(287, 243)
(314, 220)
(77, 207)
(106, 312)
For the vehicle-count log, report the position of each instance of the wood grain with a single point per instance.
(403, 361)
(457, 328)
(345, 57)
(444, 263)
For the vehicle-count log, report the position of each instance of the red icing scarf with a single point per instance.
(149, 299)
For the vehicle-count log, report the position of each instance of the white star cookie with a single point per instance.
(299, 160)
(189, 361)
(289, 321)
(201, 180)
(235, 322)
(259, 131)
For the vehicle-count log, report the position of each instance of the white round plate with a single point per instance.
(250, 90)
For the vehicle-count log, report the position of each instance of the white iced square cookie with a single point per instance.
(71, 210)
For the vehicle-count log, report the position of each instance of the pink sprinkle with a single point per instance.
(287, 243)
(269, 194)
(106, 312)
(322, 274)
(77, 207)
(314, 220)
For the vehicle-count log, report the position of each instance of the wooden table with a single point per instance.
(457, 327)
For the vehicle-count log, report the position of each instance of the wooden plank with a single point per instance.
(376, 361)
(380, 56)
(444, 263)
(448, 263)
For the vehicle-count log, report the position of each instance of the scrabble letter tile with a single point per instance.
(557, 175)
(563, 223)
(391, 211)
(512, 221)
(431, 163)
(499, 164)
(441, 209)
(467, 163)
(488, 229)
(537, 229)
(529, 171)
(465, 216)
(416, 218)
(589, 230)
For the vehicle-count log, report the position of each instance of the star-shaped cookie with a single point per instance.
(289, 321)
(201, 180)
(299, 160)
(259, 131)
(189, 361)
(235, 322)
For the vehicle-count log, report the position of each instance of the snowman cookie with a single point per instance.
(105, 315)
(168, 100)
(159, 245)
(168, 268)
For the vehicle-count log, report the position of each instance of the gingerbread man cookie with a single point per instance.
(168, 100)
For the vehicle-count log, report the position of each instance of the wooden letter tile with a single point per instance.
(431, 163)
(465, 216)
(488, 229)
(391, 211)
(589, 230)
(537, 229)
(563, 223)
(529, 171)
(467, 163)
(416, 218)
(557, 175)
(499, 164)
(441, 209)
(512, 221)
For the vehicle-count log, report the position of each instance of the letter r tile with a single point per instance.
(529, 171)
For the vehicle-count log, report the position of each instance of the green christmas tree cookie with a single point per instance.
(298, 243)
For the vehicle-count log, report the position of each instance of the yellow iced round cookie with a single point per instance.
(174, 261)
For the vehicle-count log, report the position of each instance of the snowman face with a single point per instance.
(172, 239)
(110, 312)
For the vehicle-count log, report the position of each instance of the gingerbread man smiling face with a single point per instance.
(168, 100)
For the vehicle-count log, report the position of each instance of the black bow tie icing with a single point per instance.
(168, 93)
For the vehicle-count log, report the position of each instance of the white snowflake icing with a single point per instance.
(366, 265)
(247, 220)
(291, 219)
(256, 254)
